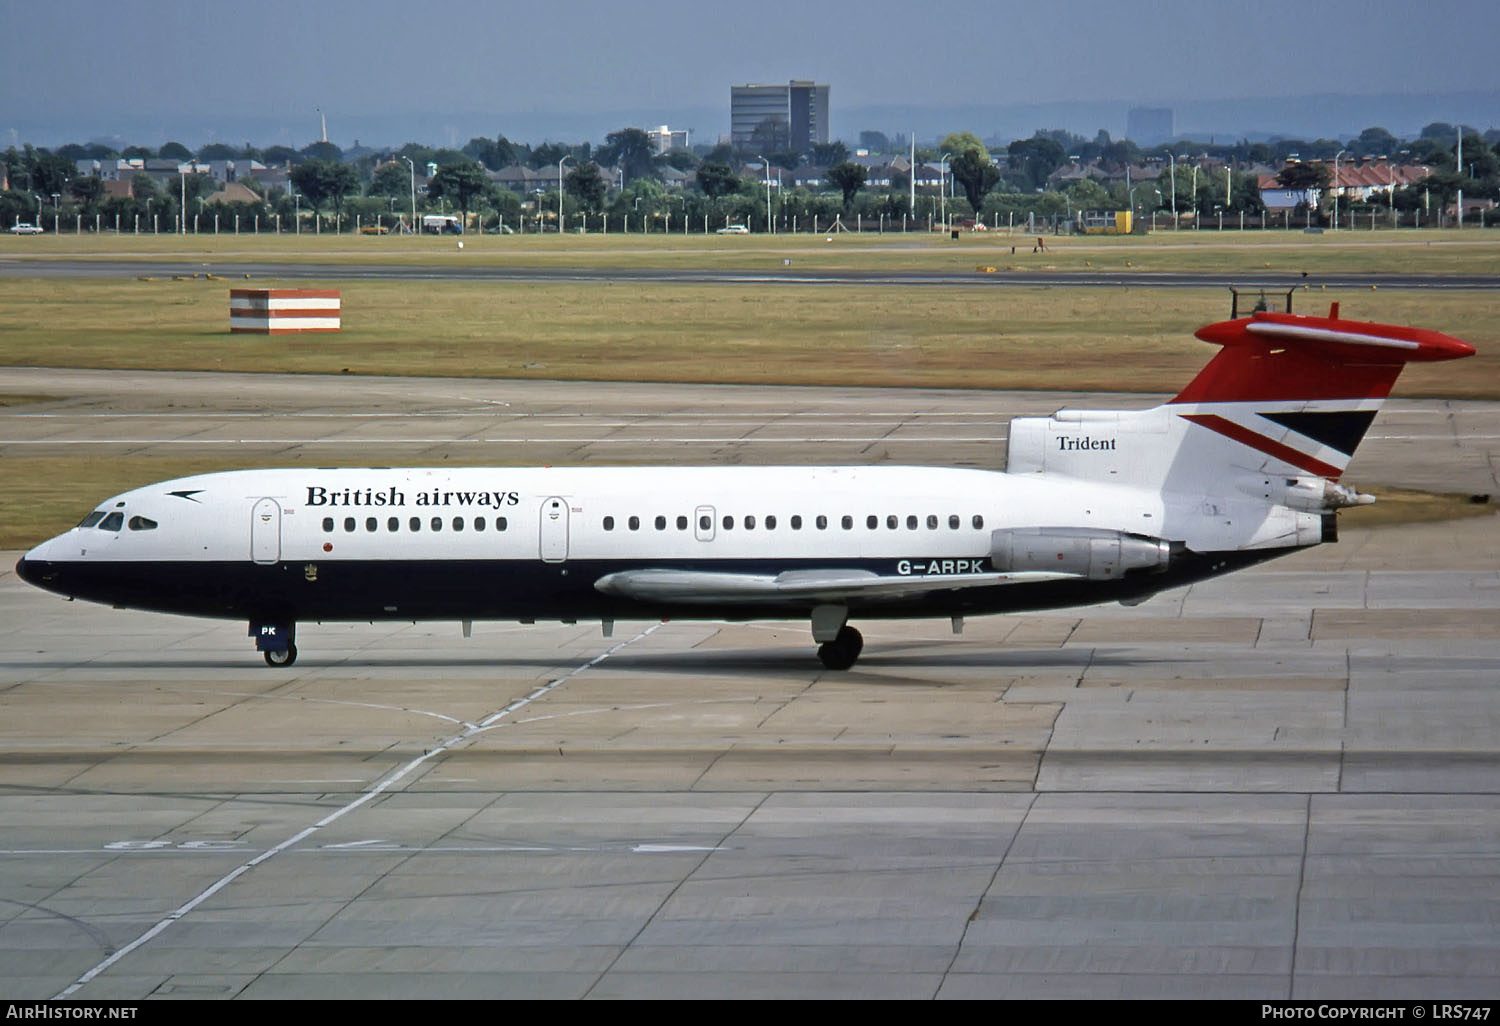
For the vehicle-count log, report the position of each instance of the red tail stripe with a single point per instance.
(1243, 435)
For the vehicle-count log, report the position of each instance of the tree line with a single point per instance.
(1018, 181)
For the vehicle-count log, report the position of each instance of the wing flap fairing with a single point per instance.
(707, 587)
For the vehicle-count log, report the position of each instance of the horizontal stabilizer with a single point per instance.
(1278, 356)
(701, 587)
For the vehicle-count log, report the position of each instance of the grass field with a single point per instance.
(1126, 339)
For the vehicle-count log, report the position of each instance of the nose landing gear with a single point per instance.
(276, 641)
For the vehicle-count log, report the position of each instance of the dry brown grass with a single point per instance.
(1023, 338)
(1410, 506)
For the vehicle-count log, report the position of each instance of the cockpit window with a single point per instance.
(113, 522)
(92, 519)
(142, 524)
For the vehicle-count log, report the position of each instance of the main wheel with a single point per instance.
(284, 657)
(842, 651)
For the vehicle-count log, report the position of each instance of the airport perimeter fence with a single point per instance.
(783, 222)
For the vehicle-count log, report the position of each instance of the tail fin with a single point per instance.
(1287, 396)
(1303, 390)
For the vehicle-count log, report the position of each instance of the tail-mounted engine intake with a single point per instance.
(1090, 552)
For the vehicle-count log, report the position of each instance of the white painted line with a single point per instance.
(380, 787)
(325, 701)
(513, 440)
(361, 844)
(758, 417)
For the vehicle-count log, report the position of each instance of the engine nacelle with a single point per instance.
(1091, 552)
(1308, 494)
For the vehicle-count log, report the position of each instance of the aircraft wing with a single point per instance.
(702, 587)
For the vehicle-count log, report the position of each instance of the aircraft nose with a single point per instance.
(34, 568)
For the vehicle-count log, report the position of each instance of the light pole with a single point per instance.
(767, 164)
(913, 170)
(1137, 189)
(297, 220)
(413, 169)
(1459, 168)
(942, 190)
(1172, 176)
(182, 221)
(1390, 181)
(560, 163)
(1336, 157)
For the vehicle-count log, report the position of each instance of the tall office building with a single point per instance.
(778, 117)
(1149, 126)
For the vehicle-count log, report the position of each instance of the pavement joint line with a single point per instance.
(379, 788)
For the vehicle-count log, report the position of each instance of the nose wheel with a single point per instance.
(276, 639)
(843, 650)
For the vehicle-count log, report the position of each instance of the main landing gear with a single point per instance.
(839, 644)
(843, 650)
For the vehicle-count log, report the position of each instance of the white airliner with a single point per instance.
(1240, 467)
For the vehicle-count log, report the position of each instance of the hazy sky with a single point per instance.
(193, 62)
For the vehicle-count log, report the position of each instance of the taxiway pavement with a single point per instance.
(1280, 784)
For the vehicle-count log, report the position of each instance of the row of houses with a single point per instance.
(165, 171)
(878, 175)
(1352, 181)
(230, 175)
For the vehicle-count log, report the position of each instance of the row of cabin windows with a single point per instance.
(705, 523)
(769, 522)
(413, 525)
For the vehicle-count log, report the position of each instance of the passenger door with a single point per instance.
(554, 530)
(265, 531)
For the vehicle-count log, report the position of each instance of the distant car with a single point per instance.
(374, 229)
(26, 229)
(734, 229)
